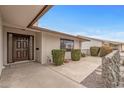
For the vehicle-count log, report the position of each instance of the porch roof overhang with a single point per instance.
(22, 16)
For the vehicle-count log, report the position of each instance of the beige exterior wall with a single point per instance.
(122, 47)
(88, 44)
(39, 46)
(119, 47)
(18, 31)
(51, 41)
(1, 45)
(106, 43)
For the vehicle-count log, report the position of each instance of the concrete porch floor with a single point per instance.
(34, 75)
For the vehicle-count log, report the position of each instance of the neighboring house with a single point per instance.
(22, 41)
(99, 42)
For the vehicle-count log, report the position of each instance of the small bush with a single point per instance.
(58, 56)
(83, 55)
(76, 54)
(94, 51)
(104, 50)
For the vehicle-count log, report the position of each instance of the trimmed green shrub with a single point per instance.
(104, 50)
(94, 51)
(75, 54)
(83, 55)
(58, 56)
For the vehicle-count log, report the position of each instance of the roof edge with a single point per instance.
(56, 32)
(89, 38)
(41, 13)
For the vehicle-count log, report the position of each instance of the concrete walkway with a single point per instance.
(78, 71)
(34, 75)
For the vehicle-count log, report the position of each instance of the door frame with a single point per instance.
(13, 62)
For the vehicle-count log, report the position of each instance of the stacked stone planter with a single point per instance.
(111, 69)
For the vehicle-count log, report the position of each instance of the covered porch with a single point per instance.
(35, 75)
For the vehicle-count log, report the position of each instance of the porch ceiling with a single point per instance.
(19, 15)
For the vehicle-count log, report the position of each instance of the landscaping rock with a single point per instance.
(111, 69)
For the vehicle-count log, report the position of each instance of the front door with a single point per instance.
(20, 47)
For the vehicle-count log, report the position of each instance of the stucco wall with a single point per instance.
(88, 44)
(49, 42)
(52, 41)
(1, 45)
(122, 47)
(39, 47)
(12, 30)
(119, 47)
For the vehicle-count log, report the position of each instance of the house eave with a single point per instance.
(107, 41)
(56, 32)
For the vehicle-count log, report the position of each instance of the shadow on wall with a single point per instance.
(1, 45)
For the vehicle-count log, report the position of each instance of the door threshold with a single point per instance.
(19, 62)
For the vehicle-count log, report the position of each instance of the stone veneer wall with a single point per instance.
(111, 69)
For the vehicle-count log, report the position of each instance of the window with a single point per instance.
(66, 44)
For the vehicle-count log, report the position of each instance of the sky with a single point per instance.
(104, 22)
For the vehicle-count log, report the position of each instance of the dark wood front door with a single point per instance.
(20, 47)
